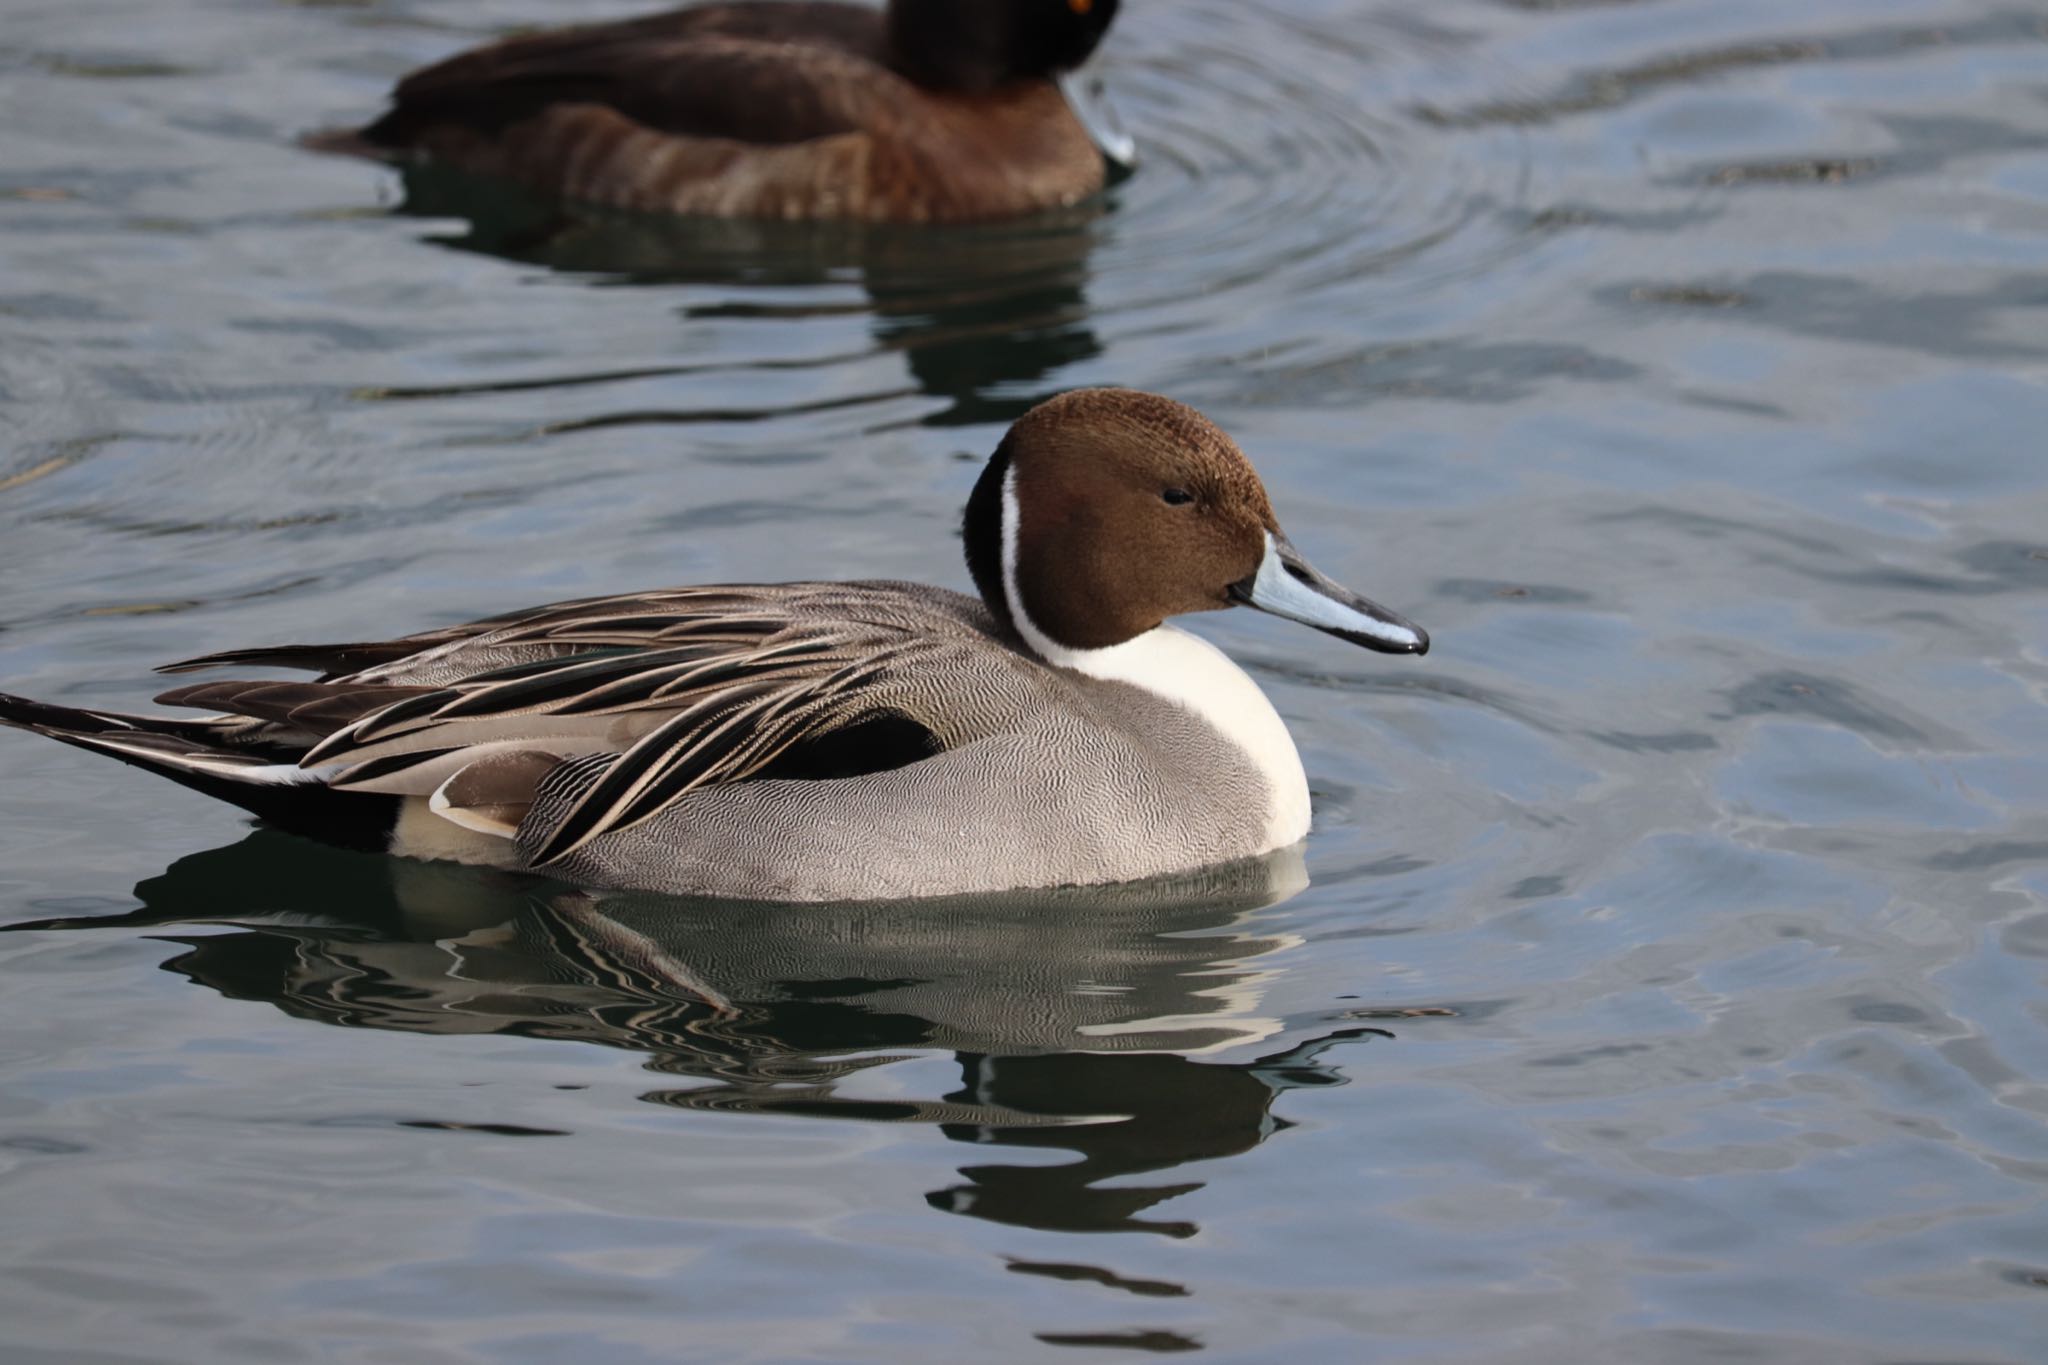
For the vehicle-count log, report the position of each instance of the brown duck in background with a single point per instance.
(926, 111)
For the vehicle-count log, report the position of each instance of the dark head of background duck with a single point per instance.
(978, 45)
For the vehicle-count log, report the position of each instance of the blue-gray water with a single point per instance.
(1669, 986)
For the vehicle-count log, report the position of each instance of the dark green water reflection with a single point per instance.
(1071, 1014)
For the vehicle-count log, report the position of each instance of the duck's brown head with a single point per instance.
(1106, 511)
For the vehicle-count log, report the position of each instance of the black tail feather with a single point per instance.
(190, 754)
(48, 718)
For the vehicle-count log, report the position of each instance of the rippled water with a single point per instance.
(1668, 986)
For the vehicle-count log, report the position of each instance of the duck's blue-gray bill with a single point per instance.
(1288, 585)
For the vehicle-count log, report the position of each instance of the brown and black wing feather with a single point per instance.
(641, 698)
(670, 691)
(706, 713)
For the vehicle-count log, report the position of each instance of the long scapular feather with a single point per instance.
(330, 659)
(597, 809)
(724, 738)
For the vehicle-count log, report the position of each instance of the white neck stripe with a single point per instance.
(1184, 669)
(1043, 645)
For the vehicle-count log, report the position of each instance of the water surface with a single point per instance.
(1668, 981)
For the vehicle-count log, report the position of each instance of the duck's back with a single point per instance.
(759, 73)
(772, 108)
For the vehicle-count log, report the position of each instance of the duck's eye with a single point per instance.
(1177, 497)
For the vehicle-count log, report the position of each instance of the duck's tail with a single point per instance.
(198, 754)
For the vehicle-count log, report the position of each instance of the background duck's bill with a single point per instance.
(1288, 585)
(1090, 103)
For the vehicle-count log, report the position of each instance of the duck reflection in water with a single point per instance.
(982, 314)
(1078, 1017)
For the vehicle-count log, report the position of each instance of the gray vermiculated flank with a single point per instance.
(1049, 778)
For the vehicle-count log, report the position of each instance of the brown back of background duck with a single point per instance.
(926, 111)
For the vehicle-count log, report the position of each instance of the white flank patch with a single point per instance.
(422, 833)
(1190, 671)
(471, 820)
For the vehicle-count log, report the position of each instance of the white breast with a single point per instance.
(1191, 672)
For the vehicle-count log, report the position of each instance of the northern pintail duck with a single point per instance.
(823, 741)
(928, 111)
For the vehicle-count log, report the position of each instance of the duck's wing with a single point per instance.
(753, 73)
(658, 693)
(452, 654)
